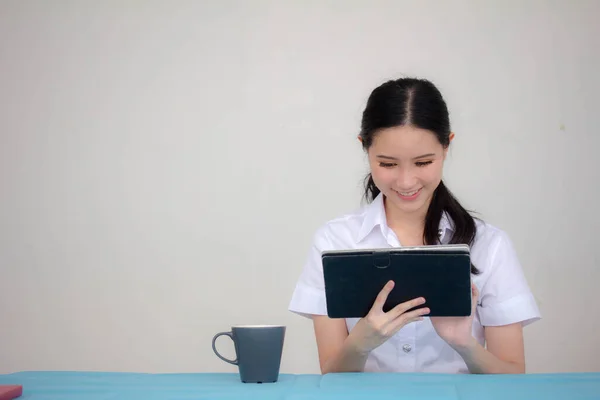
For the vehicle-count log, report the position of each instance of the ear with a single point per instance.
(359, 139)
(450, 137)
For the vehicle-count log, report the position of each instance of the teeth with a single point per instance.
(408, 193)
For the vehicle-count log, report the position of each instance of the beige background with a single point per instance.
(163, 165)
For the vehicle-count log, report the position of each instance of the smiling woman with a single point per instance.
(406, 133)
(406, 166)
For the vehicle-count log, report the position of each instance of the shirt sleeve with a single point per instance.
(308, 297)
(505, 297)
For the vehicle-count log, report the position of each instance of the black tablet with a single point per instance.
(441, 274)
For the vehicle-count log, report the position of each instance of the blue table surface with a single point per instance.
(45, 385)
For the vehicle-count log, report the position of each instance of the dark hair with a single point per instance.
(418, 103)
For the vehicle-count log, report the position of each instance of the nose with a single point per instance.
(406, 179)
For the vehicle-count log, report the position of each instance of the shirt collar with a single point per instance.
(374, 216)
(446, 227)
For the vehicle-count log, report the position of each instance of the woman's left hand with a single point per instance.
(457, 331)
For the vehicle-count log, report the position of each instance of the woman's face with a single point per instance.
(406, 165)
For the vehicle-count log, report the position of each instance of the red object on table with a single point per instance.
(9, 392)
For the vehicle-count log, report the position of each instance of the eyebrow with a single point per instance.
(416, 158)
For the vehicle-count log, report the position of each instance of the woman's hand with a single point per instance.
(457, 331)
(378, 326)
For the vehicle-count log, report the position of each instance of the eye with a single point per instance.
(422, 163)
(387, 165)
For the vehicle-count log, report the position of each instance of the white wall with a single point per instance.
(163, 165)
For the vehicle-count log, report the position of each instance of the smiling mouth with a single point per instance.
(409, 195)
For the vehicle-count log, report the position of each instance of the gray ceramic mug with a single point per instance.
(258, 350)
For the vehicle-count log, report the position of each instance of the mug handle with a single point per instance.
(234, 362)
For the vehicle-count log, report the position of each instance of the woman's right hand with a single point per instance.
(378, 326)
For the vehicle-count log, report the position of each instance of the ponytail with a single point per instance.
(464, 225)
(371, 190)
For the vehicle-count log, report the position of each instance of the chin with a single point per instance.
(407, 207)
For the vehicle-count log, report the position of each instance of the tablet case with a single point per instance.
(440, 274)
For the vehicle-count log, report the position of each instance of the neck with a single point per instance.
(397, 219)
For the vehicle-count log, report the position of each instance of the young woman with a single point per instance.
(406, 134)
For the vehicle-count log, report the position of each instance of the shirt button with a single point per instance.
(407, 348)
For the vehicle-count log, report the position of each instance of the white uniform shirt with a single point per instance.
(504, 295)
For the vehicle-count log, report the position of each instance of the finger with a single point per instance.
(407, 305)
(474, 291)
(407, 318)
(419, 312)
(474, 298)
(383, 295)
